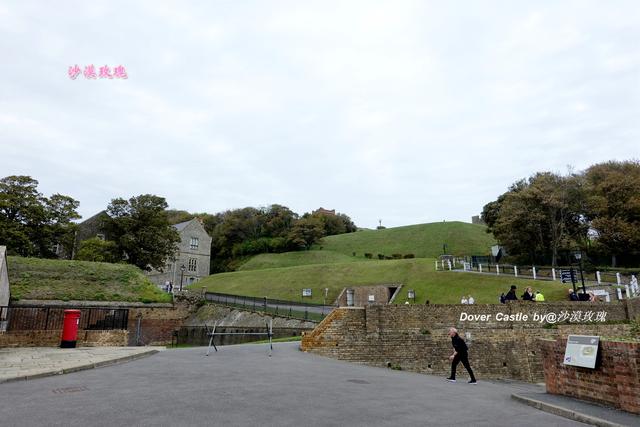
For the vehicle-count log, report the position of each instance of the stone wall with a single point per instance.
(382, 294)
(633, 308)
(4, 286)
(197, 335)
(52, 338)
(414, 337)
(615, 381)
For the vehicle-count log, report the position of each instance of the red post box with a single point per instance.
(70, 328)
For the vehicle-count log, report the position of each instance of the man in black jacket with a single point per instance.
(460, 354)
(511, 295)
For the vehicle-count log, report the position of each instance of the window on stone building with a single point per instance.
(194, 243)
(193, 264)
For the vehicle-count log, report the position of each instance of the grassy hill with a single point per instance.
(292, 259)
(34, 278)
(422, 240)
(418, 274)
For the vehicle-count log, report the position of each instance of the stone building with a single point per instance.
(324, 211)
(477, 219)
(194, 250)
(192, 259)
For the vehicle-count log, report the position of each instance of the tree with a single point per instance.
(141, 230)
(98, 250)
(31, 224)
(613, 206)
(539, 217)
(306, 232)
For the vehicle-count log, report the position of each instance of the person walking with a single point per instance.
(460, 354)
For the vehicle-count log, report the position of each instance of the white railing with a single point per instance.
(624, 281)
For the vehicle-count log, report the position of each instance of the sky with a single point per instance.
(401, 111)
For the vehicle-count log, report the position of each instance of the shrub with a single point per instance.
(387, 257)
(354, 254)
(407, 256)
(380, 256)
(396, 256)
(368, 255)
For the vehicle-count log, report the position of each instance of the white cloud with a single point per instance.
(406, 111)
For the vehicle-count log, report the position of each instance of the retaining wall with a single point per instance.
(414, 337)
(615, 381)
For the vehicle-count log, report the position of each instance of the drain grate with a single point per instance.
(358, 381)
(66, 390)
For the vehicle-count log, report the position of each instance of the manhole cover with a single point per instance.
(65, 390)
(358, 381)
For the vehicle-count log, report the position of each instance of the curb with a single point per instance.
(564, 412)
(85, 367)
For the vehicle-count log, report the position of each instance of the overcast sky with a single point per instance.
(408, 112)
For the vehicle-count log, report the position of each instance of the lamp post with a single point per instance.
(182, 270)
(578, 256)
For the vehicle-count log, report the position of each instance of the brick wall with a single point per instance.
(52, 338)
(414, 337)
(615, 381)
(156, 322)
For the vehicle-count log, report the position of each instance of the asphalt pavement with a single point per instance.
(241, 385)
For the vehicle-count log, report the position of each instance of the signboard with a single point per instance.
(566, 276)
(306, 292)
(372, 298)
(581, 350)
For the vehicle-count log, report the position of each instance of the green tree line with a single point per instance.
(239, 233)
(546, 217)
(139, 230)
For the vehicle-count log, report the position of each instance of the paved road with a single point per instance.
(241, 386)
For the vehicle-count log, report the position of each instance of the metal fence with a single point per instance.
(51, 318)
(291, 309)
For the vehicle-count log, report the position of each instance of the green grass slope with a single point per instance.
(418, 274)
(292, 259)
(34, 278)
(422, 240)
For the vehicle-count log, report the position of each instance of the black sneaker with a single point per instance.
(473, 382)
(453, 380)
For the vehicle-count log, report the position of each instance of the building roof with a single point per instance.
(181, 225)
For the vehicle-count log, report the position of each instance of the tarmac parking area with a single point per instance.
(240, 385)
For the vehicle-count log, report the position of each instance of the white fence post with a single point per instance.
(553, 274)
(598, 277)
(618, 279)
(436, 265)
(626, 288)
(533, 269)
(497, 270)
(449, 264)
(480, 267)
(619, 292)
(515, 270)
